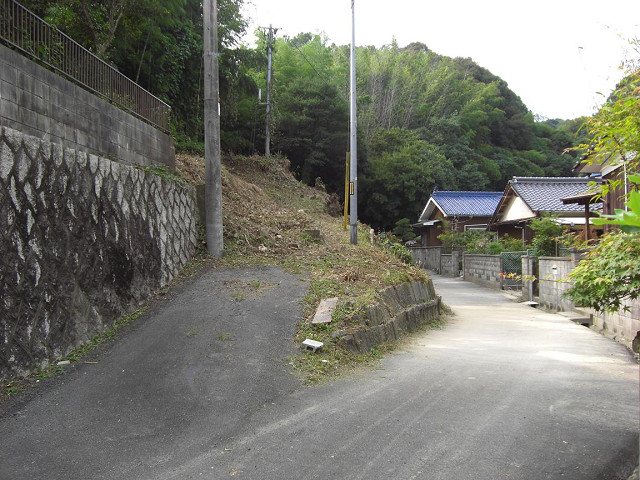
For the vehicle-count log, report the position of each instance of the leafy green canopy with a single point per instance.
(609, 274)
(547, 234)
(158, 43)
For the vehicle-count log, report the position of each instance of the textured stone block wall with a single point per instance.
(483, 269)
(83, 239)
(39, 102)
(402, 308)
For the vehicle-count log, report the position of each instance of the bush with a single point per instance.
(609, 274)
(391, 243)
(474, 241)
(547, 233)
(469, 241)
(404, 230)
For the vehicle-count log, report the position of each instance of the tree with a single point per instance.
(546, 234)
(609, 274)
(402, 171)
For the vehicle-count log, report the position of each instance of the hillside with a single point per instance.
(268, 216)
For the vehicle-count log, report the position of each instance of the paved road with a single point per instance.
(502, 392)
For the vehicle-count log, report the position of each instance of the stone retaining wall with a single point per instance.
(39, 102)
(83, 240)
(483, 269)
(402, 308)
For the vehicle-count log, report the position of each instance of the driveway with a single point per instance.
(503, 391)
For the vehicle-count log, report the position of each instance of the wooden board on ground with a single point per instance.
(325, 310)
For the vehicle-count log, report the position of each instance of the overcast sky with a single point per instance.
(555, 54)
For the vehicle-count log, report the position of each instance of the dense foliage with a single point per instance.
(547, 234)
(609, 274)
(474, 241)
(424, 119)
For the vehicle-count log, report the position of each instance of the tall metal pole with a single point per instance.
(353, 169)
(267, 130)
(213, 182)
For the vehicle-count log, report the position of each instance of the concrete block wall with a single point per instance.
(529, 277)
(83, 240)
(427, 257)
(446, 264)
(553, 282)
(41, 103)
(483, 270)
(623, 325)
(451, 264)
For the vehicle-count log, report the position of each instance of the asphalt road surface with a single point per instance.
(200, 388)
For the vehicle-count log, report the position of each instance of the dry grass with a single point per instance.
(267, 215)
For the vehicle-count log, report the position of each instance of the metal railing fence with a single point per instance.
(25, 31)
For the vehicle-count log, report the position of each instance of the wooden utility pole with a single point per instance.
(213, 181)
(353, 171)
(267, 118)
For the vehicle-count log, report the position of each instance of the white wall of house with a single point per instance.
(517, 210)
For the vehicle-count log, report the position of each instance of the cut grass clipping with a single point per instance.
(272, 219)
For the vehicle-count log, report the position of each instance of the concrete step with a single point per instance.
(578, 318)
(531, 303)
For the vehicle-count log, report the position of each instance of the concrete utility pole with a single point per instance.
(353, 170)
(267, 120)
(213, 182)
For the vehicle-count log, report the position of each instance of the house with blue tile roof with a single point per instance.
(526, 198)
(461, 210)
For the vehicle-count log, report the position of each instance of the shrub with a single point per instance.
(546, 235)
(391, 243)
(609, 274)
(404, 230)
(474, 241)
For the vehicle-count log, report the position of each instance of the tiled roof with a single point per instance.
(545, 194)
(467, 204)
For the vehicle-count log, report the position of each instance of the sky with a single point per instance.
(562, 57)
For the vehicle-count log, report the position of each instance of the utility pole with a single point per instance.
(213, 183)
(353, 167)
(267, 120)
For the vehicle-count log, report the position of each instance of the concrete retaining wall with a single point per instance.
(39, 102)
(483, 269)
(83, 240)
(402, 308)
